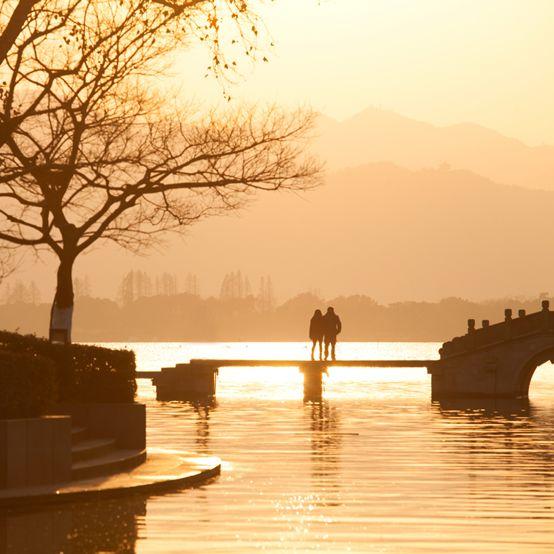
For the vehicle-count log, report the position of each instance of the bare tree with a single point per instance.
(90, 152)
(13, 25)
(26, 22)
(18, 20)
(7, 263)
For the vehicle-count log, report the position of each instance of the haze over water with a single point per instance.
(375, 466)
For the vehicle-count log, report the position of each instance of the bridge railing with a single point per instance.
(509, 329)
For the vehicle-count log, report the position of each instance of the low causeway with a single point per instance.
(493, 360)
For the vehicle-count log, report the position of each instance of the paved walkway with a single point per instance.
(163, 470)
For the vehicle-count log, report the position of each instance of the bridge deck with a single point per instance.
(298, 363)
(316, 363)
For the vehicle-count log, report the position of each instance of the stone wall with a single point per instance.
(35, 451)
(126, 423)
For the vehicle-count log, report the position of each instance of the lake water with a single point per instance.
(374, 466)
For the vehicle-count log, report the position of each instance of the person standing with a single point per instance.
(316, 333)
(332, 326)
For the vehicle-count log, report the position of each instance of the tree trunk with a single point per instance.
(61, 315)
(12, 30)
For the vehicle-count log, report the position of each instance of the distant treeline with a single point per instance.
(188, 317)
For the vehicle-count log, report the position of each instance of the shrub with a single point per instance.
(98, 374)
(84, 373)
(28, 385)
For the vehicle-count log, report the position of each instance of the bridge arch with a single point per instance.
(528, 369)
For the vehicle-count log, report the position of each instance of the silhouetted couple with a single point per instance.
(324, 330)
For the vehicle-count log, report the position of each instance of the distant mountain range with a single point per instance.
(391, 232)
(376, 135)
(424, 212)
(377, 229)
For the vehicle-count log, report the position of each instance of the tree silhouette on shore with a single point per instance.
(91, 152)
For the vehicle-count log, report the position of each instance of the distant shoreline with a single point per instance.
(189, 318)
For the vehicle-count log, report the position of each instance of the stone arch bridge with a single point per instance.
(495, 360)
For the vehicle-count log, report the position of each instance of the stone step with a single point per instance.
(78, 434)
(162, 471)
(112, 462)
(91, 448)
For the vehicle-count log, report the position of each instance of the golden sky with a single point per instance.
(443, 61)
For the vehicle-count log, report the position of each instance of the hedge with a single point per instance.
(83, 373)
(28, 385)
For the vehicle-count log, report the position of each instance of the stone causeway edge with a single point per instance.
(162, 471)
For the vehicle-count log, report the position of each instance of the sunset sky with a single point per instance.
(441, 61)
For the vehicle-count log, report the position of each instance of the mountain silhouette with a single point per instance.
(376, 135)
(429, 230)
(378, 229)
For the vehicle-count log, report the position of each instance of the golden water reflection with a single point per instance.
(372, 465)
(325, 436)
(80, 528)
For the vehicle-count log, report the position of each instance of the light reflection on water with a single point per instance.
(284, 383)
(374, 466)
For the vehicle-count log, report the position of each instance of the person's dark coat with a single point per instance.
(332, 325)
